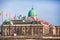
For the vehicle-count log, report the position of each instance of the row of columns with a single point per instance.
(55, 30)
(9, 30)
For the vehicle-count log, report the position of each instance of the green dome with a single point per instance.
(32, 13)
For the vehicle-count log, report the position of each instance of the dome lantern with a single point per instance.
(32, 13)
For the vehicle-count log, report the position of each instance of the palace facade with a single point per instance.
(22, 28)
(28, 27)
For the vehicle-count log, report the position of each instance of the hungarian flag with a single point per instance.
(19, 16)
(14, 17)
(7, 14)
(37, 19)
(46, 23)
(30, 18)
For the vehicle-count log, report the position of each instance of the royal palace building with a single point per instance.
(27, 26)
(23, 27)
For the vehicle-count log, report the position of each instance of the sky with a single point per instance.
(48, 10)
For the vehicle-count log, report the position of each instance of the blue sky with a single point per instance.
(48, 10)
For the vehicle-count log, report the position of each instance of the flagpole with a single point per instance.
(2, 20)
(1, 14)
(8, 15)
(9, 24)
(15, 21)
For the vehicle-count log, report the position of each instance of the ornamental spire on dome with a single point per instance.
(32, 8)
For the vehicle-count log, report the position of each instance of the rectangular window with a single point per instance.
(12, 30)
(36, 31)
(28, 30)
(18, 30)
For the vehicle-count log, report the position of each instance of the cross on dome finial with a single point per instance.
(32, 7)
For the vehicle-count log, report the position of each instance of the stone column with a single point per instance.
(32, 31)
(58, 31)
(54, 31)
